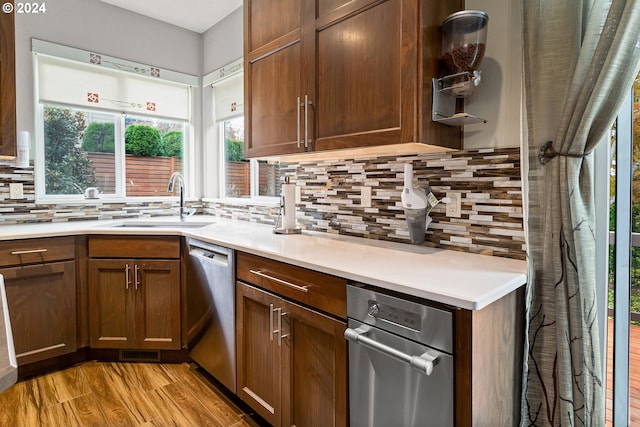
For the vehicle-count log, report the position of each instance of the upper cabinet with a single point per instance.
(333, 74)
(7, 85)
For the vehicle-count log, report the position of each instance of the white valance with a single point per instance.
(229, 98)
(86, 85)
(228, 87)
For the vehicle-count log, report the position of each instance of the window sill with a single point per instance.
(260, 201)
(71, 200)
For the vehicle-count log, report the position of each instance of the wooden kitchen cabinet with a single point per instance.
(7, 85)
(134, 302)
(364, 66)
(39, 276)
(292, 359)
(274, 76)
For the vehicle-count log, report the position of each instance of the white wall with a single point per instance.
(497, 99)
(222, 43)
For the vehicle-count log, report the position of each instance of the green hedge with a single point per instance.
(143, 141)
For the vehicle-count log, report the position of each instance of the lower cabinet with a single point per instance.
(292, 361)
(134, 304)
(134, 292)
(41, 296)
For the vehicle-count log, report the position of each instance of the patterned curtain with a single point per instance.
(580, 59)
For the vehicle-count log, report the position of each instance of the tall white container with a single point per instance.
(24, 144)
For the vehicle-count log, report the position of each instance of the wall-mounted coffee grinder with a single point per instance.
(464, 38)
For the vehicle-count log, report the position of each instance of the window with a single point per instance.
(239, 177)
(242, 177)
(623, 349)
(107, 123)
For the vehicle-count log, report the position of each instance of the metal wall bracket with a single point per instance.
(445, 92)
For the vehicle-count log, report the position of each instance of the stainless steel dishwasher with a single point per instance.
(400, 361)
(210, 275)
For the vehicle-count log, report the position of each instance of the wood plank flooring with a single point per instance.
(634, 375)
(118, 394)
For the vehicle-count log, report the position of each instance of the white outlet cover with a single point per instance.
(16, 190)
(365, 197)
(454, 206)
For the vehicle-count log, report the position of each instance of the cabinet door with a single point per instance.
(274, 76)
(314, 353)
(42, 309)
(367, 73)
(111, 304)
(7, 85)
(259, 367)
(157, 298)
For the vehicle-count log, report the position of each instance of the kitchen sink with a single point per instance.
(172, 225)
(160, 224)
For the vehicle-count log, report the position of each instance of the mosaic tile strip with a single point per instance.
(25, 210)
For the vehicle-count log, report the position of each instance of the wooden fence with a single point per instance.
(149, 176)
(145, 176)
(238, 179)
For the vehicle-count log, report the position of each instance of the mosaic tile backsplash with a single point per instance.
(489, 181)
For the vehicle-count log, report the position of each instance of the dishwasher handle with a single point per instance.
(423, 363)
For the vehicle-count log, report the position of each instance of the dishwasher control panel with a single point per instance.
(396, 315)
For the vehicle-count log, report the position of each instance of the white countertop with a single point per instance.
(460, 279)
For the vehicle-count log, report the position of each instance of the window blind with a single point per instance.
(68, 82)
(229, 97)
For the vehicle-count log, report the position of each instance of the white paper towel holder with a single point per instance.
(279, 227)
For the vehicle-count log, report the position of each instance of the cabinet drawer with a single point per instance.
(322, 291)
(164, 247)
(36, 251)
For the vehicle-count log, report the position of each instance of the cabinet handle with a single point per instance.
(136, 276)
(29, 251)
(283, 282)
(271, 331)
(306, 121)
(127, 272)
(298, 106)
(280, 336)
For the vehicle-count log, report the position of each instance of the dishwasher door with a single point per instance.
(210, 309)
(384, 391)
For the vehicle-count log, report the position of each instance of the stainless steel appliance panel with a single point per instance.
(385, 392)
(211, 310)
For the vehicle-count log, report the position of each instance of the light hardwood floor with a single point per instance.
(118, 394)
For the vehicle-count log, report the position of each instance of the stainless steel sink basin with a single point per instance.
(174, 225)
(159, 224)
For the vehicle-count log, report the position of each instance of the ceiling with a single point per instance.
(194, 15)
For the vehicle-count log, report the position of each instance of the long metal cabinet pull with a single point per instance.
(423, 363)
(29, 251)
(127, 272)
(298, 106)
(306, 121)
(281, 314)
(136, 276)
(283, 282)
(271, 331)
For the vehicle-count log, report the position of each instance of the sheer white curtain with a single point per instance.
(580, 59)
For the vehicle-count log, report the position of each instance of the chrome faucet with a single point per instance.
(178, 176)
